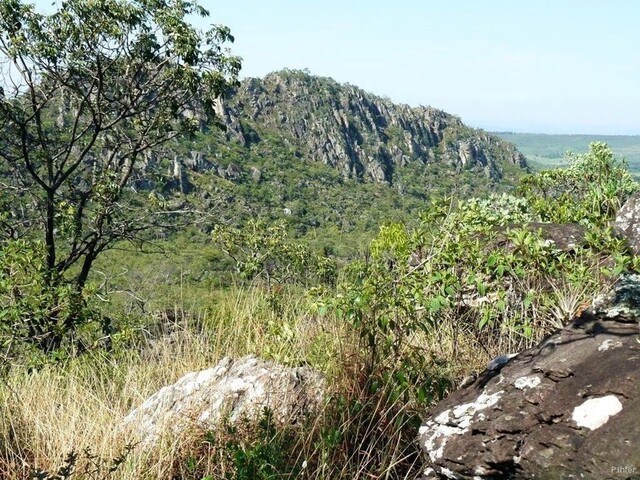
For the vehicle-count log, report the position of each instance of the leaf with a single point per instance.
(434, 305)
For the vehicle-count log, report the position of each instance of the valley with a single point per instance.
(548, 150)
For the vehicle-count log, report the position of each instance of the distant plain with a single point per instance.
(547, 150)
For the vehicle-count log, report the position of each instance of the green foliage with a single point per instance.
(589, 191)
(244, 450)
(34, 309)
(392, 240)
(266, 458)
(262, 250)
(89, 91)
(475, 266)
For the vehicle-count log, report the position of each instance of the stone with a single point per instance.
(627, 223)
(566, 408)
(232, 390)
(233, 172)
(565, 237)
(362, 135)
(256, 174)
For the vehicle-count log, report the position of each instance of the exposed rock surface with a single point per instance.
(561, 236)
(362, 135)
(627, 223)
(231, 390)
(567, 408)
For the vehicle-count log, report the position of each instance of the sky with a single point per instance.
(563, 66)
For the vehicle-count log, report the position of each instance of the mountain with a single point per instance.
(332, 160)
(364, 136)
(329, 158)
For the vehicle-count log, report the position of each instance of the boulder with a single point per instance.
(232, 390)
(627, 223)
(565, 237)
(567, 408)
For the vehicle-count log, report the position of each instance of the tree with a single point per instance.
(86, 94)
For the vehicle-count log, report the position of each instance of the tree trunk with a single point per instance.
(49, 235)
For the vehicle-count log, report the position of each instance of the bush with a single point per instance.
(263, 251)
(35, 310)
(473, 267)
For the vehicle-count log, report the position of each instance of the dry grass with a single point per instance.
(46, 414)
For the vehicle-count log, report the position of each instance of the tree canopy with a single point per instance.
(86, 95)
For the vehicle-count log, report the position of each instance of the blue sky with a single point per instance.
(563, 66)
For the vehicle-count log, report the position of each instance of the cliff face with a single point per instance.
(364, 136)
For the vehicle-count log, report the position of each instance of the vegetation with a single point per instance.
(393, 291)
(424, 306)
(88, 91)
(547, 151)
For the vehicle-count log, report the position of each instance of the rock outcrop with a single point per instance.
(232, 390)
(565, 237)
(362, 135)
(567, 408)
(627, 223)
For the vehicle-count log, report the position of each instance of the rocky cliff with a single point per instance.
(364, 136)
(328, 157)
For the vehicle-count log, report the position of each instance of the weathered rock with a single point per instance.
(567, 408)
(232, 390)
(256, 174)
(232, 172)
(627, 223)
(362, 135)
(197, 161)
(565, 237)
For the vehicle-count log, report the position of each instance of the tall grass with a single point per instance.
(79, 404)
(360, 433)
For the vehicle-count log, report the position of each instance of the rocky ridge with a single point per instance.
(364, 136)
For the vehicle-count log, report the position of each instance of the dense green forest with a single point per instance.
(549, 150)
(158, 215)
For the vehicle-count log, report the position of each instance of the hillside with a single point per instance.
(362, 135)
(331, 157)
(283, 277)
(547, 150)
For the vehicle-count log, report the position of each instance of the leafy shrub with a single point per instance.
(34, 310)
(262, 250)
(474, 266)
(589, 191)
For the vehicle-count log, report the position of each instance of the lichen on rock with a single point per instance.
(566, 407)
(231, 390)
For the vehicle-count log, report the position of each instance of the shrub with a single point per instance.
(263, 251)
(474, 268)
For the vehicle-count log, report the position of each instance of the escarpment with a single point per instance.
(364, 136)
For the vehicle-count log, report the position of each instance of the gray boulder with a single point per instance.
(565, 237)
(232, 390)
(567, 408)
(627, 223)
